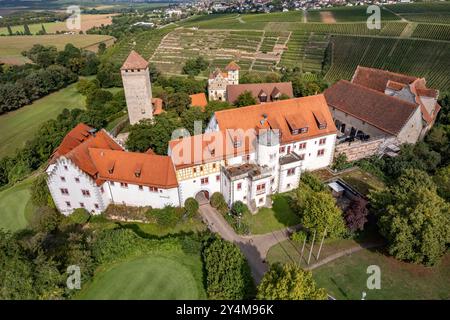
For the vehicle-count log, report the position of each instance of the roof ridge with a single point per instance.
(387, 71)
(378, 92)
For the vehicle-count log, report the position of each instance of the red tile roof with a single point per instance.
(207, 147)
(157, 106)
(232, 66)
(79, 154)
(252, 117)
(385, 112)
(199, 100)
(395, 85)
(234, 90)
(377, 79)
(135, 168)
(73, 138)
(134, 61)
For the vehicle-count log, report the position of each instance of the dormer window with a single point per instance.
(138, 170)
(320, 120)
(262, 96)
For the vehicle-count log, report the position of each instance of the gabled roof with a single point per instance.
(73, 138)
(232, 66)
(157, 106)
(234, 90)
(218, 72)
(275, 113)
(134, 61)
(79, 154)
(199, 100)
(135, 168)
(386, 113)
(377, 79)
(207, 147)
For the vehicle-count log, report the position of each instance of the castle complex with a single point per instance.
(247, 153)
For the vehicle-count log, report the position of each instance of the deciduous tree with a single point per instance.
(289, 282)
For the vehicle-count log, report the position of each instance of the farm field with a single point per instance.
(420, 58)
(12, 46)
(345, 14)
(159, 276)
(88, 21)
(15, 206)
(266, 42)
(253, 50)
(436, 12)
(145, 43)
(345, 278)
(18, 126)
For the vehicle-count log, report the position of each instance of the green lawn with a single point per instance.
(289, 251)
(272, 219)
(15, 206)
(362, 181)
(345, 278)
(19, 126)
(154, 277)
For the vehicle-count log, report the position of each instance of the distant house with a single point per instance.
(218, 81)
(262, 92)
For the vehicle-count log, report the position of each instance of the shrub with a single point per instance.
(191, 207)
(45, 219)
(340, 162)
(40, 195)
(79, 216)
(299, 236)
(239, 208)
(166, 217)
(356, 215)
(312, 181)
(218, 201)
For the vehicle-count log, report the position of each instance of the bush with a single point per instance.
(299, 236)
(40, 195)
(239, 208)
(167, 217)
(218, 202)
(45, 219)
(79, 216)
(229, 280)
(340, 162)
(312, 181)
(191, 207)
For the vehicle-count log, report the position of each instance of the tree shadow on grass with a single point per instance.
(339, 288)
(283, 212)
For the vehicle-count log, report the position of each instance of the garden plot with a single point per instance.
(258, 49)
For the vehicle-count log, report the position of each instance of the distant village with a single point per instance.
(265, 6)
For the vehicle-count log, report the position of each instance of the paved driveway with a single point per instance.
(254, 248)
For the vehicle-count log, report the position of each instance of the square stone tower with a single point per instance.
(137, 87)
